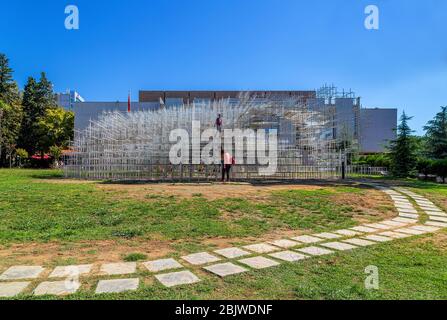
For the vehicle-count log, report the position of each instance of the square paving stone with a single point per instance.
(57, 288)
(200, 258)
(410, 231)
(409, 215)
(363, 229)
(259, 262)
(424, 203)
(232, 253)
(338, 246)
(412, 211)
(162, 264)
(436, 224)
(399, 197)
(225, 269)
(117, 285)
(348, 233)
(393, 223)
(405, 203)
(406, 220)
(11, 289)
(432, 208)
(436, 214)
(377, 238)
(289, 256)
(307, 239)
(424, 228)
(22, 272)
(119, 268)
(429, 207)
(401, 200)
(328, 235)
(402, 206)
(261, 248)
(285, 243)
(359, 242)
(379, 226)
(394, 235)
(177, 278)
(315, 251)
(70, 271)
(440, 219)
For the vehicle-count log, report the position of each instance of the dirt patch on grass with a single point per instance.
(55, 253)
(439, 239)
(65, 181)
(208, 191)
(369, 204)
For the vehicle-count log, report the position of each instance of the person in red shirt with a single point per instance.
(227, 161)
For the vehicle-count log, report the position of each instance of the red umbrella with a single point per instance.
(38, 157)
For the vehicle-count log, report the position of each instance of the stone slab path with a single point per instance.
(117, 286)
(177, 278)
(231, 261)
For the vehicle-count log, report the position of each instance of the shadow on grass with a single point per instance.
(258, 183)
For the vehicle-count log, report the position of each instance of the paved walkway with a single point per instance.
(225, 262)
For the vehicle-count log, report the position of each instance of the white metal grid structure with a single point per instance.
(135, 145)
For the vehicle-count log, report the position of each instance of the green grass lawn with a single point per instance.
(34, 211)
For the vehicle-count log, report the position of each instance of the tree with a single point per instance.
(31, 112)
(38, 97)
(436, 134)
(10, 111)
(403, 150)
(9, 92)
(55, 129)
(10, 118)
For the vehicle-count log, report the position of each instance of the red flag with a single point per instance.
(128, 102)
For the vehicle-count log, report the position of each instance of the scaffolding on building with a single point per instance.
(313, 140)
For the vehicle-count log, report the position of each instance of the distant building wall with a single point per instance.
(377, 128)
(191, 96)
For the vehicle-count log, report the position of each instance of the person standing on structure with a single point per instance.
(219, 123)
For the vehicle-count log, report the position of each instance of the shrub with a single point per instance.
(440, 168)
(425, 166)
(22, 156)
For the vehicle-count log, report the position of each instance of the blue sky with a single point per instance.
(234, 44)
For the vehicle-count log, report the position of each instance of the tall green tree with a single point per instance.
(403, 150)
(10, 111)
(9, 92)
(436, 135)
(38, 97)
(31, 112)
